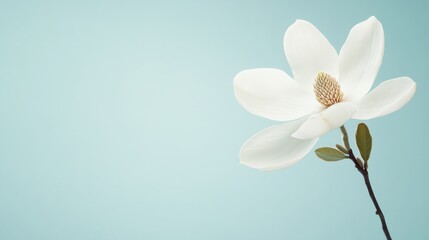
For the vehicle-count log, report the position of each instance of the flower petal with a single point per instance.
(273, 148)
(360, 58)
(321, 123)
(308, 53)
(272, 94)
(386, 98)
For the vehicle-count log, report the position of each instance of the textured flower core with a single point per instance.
(327, 89)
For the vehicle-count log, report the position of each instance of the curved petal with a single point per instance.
(321, 123)
(360, 58)
(272, 94)
(308, 53)
(386, 98)
(273, 148)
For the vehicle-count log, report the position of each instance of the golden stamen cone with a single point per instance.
(327, 89)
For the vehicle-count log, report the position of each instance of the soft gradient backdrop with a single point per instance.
(118, 121)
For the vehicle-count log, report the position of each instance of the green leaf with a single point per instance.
(329, 154)
(364, 141)
(342, 149)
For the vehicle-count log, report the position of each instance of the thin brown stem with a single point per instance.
(377, 207)
(364, 171)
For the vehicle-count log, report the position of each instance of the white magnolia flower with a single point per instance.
(327, 90)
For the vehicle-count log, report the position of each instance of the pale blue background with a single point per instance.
(118, 121)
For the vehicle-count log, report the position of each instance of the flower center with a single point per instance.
(327, 89)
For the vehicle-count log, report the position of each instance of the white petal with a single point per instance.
(360, 58)
(321, 123)
(272, 94)
(273, 148)
(386, 98)
(308, 53)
